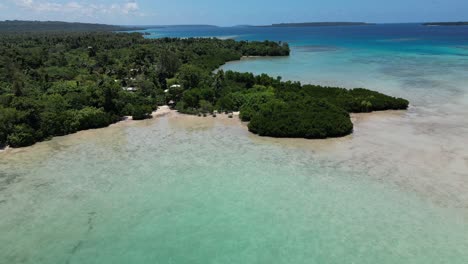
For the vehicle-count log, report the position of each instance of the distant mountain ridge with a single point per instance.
(460, 23)
(188, 25)
(58, 26)
(318, 24)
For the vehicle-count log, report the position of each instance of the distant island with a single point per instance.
(446, 24)
(17, 26)
(318, 24)
(189, 26)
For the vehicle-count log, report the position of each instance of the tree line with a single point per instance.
(16, 26)
(285, 109)
(59, 83)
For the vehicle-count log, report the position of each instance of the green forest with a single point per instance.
(55, 84)
(287, 109)
(58, 83)
(16, 26)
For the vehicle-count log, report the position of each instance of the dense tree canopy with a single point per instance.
(287, 109)
(58, 83)
(308, 118)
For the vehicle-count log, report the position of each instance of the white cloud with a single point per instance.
(76, 8)
(130, 7)
(24, 3)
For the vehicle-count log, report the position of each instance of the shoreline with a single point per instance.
(5, 149)
(243, 58)
(258, 57)
(161, 111)
(164, 111)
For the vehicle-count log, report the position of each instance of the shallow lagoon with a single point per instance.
(141, 192)
(181, 189)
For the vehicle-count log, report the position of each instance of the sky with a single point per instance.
(233, 12)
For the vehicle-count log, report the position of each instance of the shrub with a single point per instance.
(21, 136)
(141, 112)
(252, 104)
(206, 106)
(91, 117)
(8, 118)
(307, 119)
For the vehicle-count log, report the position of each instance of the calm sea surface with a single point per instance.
(181, 189)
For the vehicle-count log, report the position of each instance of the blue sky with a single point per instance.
(233, 12)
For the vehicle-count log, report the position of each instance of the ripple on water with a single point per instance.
(8, 178)
(316, 48)
(235, 196)
(399, 40)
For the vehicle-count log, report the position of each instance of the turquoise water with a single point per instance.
(181, 189)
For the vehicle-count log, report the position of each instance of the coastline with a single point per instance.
(256, 57)
(165, 111)
(373, 141)
(245, 58)
(5, 149)
(160, 112)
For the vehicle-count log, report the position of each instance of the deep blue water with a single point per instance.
(426, 64)
(392, 37)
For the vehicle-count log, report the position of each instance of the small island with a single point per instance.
(318, 24)
(57, 83)
(446, 24)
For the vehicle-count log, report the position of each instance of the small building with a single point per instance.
(175, 86)
(130, 89)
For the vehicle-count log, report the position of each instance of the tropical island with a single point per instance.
(446, 24)
(16, 26)
(54, 84)
(319, 24)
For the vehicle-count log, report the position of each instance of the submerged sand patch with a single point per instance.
(408, 149)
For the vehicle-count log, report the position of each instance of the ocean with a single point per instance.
(182, 189)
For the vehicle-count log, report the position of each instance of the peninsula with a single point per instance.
(70, 81)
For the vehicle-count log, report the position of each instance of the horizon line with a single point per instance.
(234, 25)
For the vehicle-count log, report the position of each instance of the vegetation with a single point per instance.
(446, 24)
(309, 118)
(59, 83)
(286, 109)
(15, 26)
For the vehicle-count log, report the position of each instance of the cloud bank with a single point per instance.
(79, 8)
